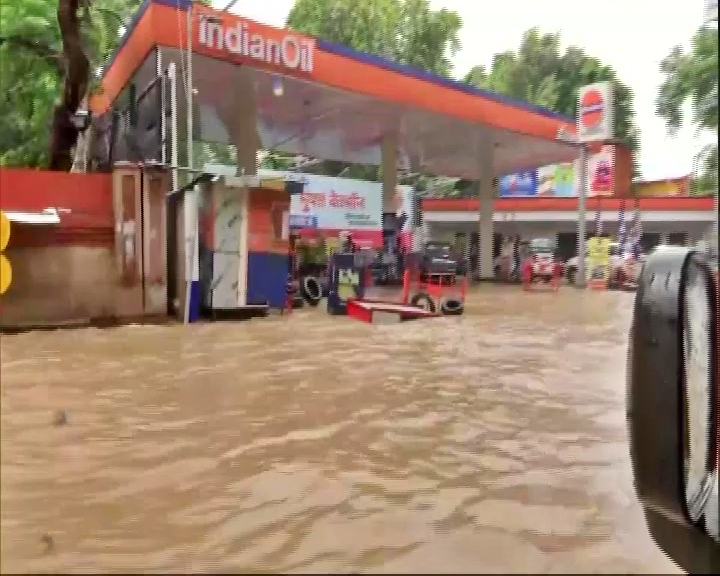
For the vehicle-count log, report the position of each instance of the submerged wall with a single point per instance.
(104, 261)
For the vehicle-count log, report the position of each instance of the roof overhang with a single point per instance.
(339, 105)
(48, 216)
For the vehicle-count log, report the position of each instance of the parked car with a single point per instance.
(441, 258)
(503, 264)
(623, 267)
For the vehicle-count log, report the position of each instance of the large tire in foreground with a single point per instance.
(452, 307)
(311, 290)
(423, 301)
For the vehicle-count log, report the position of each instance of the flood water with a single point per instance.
(491, 442)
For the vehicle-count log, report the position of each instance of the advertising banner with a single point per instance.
(405, 211)
(519, 184)
(563, 180)
(600, 172)
(598, 261)
(329, 206)
(556, 180)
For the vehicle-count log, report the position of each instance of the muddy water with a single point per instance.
(494, 442)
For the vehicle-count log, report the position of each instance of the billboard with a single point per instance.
(556, 180)
(519, 184)
(329, 206)
(600, 172)
(671, 187)
(563, 180)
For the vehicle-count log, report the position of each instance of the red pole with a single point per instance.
(406, 287)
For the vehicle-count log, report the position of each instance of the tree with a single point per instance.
(539, 73)
(48, 50)
(693, 78)
(404, 31)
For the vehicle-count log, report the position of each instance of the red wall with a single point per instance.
(84, 200)
(265, 205)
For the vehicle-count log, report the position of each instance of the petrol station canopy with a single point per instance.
(312, 97)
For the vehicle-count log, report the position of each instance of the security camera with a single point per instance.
(81, 119)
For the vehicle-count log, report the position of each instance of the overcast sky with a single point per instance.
(632, 36)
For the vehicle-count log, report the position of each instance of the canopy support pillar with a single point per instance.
(485, 221)
(389, 172)
(244, 127)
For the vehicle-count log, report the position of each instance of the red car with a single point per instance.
(602, 178)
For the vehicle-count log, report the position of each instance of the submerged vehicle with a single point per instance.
(541, 253)
(441, 258)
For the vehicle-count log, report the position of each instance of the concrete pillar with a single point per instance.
(485, 220)
(389, 172)
(239, 115)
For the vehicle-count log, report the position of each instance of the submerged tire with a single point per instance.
(452, 307)
(422, 300)
(312, 290)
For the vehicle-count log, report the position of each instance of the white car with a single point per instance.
(622, 266)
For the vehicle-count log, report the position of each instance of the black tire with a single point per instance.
(497, 271)
(572, 275)
(452, 307)
(311, 290)
(298, 302)
(423, 301)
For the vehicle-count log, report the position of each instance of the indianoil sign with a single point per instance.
(286, 51)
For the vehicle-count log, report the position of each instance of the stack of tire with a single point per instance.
(311, 290)
(448, 306)
(293, 292)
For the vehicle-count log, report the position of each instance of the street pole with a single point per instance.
(189, 201)
(189, 87)
(582, 222)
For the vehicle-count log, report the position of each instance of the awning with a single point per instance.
(48, 216)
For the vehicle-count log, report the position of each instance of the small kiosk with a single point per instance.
(244, 243)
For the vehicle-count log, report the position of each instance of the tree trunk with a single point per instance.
(64, 134)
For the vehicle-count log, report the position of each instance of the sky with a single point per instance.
(632, 36)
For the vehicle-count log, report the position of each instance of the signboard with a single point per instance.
(556, 180)
(5, 267)
(600, 172)
(674, 187)
(598, 262)
(405, 211)
(254, 42)
(595, 112)
(563, 180)
(329, 206)
(519, 184)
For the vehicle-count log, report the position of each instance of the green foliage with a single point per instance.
(693, 77)
(540, 73)
(405, 31)
(32, 68)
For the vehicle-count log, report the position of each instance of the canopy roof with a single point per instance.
(336, 103)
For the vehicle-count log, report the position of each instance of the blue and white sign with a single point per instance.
(336, 204)
(519, 184)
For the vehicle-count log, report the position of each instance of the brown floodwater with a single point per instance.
(491, 442)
